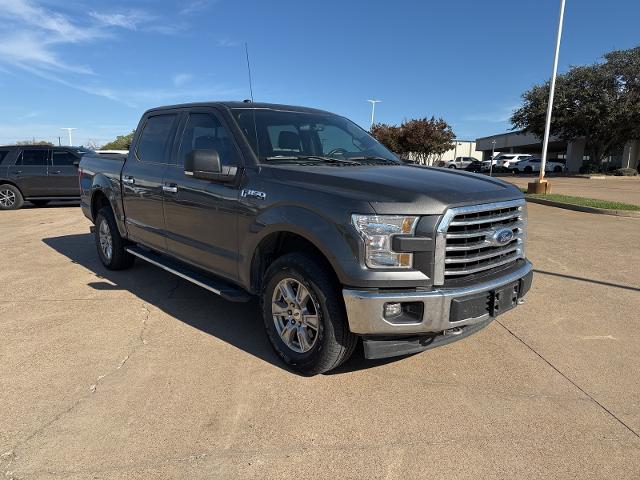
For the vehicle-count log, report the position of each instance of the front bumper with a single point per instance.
(443, 309)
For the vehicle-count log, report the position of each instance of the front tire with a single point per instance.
(304, 315)
(452, 166)
(111, 246)
(10, 197)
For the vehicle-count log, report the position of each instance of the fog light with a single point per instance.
(392, 310)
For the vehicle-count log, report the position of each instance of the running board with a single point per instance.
(219, 287)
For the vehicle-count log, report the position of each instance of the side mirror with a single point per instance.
(205, 165)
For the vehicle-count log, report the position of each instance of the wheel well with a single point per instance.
(278, 244)
(98, 201)
(7, 182)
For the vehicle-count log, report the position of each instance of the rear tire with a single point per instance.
(10, 197)
(528, 170)
(557, 169)
(110, 245)
(311, 333)
(452, 166)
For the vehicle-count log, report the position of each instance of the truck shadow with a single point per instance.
(238, 324)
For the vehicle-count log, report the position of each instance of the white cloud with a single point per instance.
(129, 20)
(190, 7)
(181, 79)
(226, 42)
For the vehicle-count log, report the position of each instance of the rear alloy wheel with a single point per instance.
(111, 246)
(10, 197)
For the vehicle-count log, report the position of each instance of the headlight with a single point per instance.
(377, 232)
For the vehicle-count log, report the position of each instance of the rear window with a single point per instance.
(152, 146)
(3, 153)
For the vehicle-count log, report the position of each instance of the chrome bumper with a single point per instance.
(365, 308)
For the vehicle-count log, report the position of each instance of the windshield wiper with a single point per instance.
(317, 158)
(374, 159)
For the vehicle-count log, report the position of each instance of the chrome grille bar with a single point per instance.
(470, 247)
(487, 219)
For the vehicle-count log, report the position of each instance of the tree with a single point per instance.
(424, 139)
(600, 102)
(122, 142)
(388, 135)
(35, 142)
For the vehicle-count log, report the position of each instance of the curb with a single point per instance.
(582, 208)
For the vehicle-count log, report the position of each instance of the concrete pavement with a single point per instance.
(137, 374)
(615, 189)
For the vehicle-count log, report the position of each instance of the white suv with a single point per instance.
(460, 162)
(508, 160)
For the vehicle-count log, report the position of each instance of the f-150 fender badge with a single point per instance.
(253, 194)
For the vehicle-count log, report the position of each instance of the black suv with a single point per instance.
(38, 174)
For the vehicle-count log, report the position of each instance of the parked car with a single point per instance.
(305, 210)
(475, 166)
(459, 162)
(38, 174)
(532, 165)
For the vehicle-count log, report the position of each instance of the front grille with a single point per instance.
(465, 243)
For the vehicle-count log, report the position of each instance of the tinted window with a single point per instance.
(290, 133)
(3, 153)
(155, 138)
(33, 157)
(204, 131)
(63, 158)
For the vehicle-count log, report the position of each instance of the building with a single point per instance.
(462, 148)
(572, 152)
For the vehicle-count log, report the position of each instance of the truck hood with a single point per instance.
(402, 189)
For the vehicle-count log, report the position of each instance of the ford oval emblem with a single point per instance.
(502, 237)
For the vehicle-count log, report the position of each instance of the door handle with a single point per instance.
(170, 188)
(129, 180)
(16, 172)
(56, 172)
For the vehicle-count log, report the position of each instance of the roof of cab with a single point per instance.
(242, 105)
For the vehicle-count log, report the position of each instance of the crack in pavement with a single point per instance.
(11, 453)
(593, 399)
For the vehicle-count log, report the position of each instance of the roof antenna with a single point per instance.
(246, 51)
(255, 126)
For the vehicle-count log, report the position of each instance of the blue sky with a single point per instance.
(97, 66)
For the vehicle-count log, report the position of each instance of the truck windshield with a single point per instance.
(294, 136)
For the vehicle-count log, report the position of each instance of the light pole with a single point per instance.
(69, 131)
(373, 109)
(493, 154)
(541, 185)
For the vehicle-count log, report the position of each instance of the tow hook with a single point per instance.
(452, 332)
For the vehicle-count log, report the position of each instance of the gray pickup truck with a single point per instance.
(337, 237)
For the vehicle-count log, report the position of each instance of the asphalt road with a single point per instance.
(137, 374)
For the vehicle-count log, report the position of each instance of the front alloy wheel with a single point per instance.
(295, 315)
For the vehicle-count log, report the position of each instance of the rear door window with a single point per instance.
(156, 138)
(33, 158)
(3, 153)
(63, 158)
